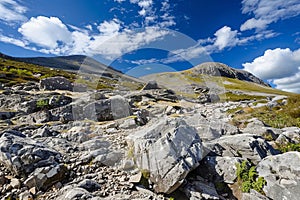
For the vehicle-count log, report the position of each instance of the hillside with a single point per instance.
(79, 69)
(229, 83)
(66, 135)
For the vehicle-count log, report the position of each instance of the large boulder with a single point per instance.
(282, 173)
(248, 146)
(108, 109)
(22, 155)
(56, 83)
(167, 150)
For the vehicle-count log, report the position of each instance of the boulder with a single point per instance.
(219, 169)
(282, 173)
(167, 151)
(22, 155)
(210, 129)
(199, 189)
(108, 109)
(6, 115)
(151, 85)
(247, 146)
(56, 83)
(44, 177)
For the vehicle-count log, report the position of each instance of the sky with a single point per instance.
(140, 37)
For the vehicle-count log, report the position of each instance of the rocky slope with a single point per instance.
(220, 69)
(154, 143)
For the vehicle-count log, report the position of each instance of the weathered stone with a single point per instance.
(219, 169)
(151, 85)
(6, 115)
(282, 173)
(56, 83)
(89, 185)
(43, 178)
(25, 196)
(73, 193)
(200, 190)
(253, 195)
(15, 183)
(168, 150)
(246, 146)
(103, 110)
(22, 155)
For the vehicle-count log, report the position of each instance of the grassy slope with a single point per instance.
(13, 72)
(232, 89)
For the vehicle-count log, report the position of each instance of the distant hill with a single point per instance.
(219, 78)
(74, 63)
(80, 69)
(220, 69)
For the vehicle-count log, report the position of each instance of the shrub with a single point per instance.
(248, 178)
(42, 103)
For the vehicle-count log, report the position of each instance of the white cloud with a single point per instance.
(281, 66)
(266, 12)
(225, 37)
(126, 41)
(254, 24)
(12, 11)
(14, 41)
(109, 27)
(46, 32)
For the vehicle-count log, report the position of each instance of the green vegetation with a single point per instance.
(145, 178)
(278, 117)
(288, 147)
(249, 178)
(14, 72)
(42, 103)
(236, 84)
(229, 96)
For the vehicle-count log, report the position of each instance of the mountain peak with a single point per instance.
(221, 69)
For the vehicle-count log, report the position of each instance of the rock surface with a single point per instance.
(167, 150)
(56, 83)
(282, 173)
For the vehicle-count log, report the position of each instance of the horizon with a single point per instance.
(140, 35)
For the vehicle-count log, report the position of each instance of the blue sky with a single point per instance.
(146, 36)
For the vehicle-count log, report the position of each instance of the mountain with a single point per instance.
(220, 69)
(79, 69)
(74, 63)
(230, 83)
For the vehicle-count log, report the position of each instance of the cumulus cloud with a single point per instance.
(12, 11)
(281, 66)
(46, 31)
(225, 37)
(266, 12)
(109, 27)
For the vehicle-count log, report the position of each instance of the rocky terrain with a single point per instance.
(59, 141)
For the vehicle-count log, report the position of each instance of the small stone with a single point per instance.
(33, 190)
(15, 183)
(136, 178)
(25, 196)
